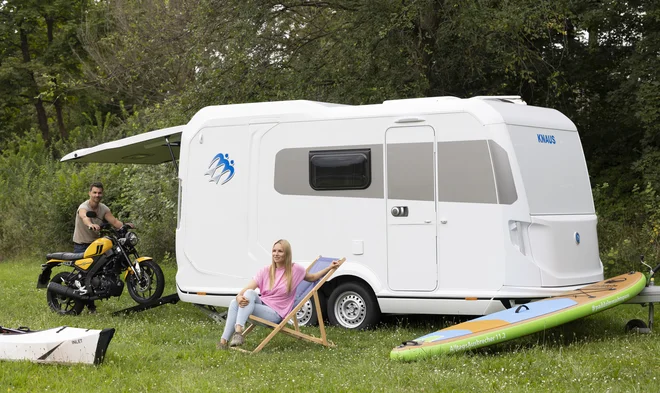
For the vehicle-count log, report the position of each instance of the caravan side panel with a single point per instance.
(212, 239)
(471, 232)
(339, 223)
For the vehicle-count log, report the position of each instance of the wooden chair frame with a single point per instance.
(291, 316)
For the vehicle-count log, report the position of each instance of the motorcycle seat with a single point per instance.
(67, 256)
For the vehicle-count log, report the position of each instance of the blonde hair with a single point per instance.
(287, 265)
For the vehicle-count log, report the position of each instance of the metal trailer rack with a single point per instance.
(649, 296)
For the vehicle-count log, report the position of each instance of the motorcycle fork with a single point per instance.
(132, 267)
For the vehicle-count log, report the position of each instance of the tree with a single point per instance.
(141, 52)
(645, 83)
(19, 21)
(38, 66)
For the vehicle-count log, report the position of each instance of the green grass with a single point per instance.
(172, 349)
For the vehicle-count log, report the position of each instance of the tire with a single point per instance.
(307, 315)
(637, 326)
(62, 304)
(150, 287)
(352, 306)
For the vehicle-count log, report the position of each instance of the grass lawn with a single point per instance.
(172, 349)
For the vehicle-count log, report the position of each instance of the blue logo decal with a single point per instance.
(550, 139)
(220, 164)
(577, 238)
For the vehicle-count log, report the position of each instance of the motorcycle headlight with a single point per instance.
(132, 239)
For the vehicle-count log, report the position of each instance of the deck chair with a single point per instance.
(304, 291)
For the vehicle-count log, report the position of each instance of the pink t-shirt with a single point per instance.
(277, 298)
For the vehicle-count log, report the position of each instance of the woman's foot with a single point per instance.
(236, 340)
(222, 345)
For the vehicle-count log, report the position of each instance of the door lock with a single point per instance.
(400, 211)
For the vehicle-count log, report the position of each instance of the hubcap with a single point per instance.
(305, 313)
(350, 310)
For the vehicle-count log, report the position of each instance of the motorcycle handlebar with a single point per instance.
(106, 225)
(102, 226)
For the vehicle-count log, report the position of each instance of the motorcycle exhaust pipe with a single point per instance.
(68, 291)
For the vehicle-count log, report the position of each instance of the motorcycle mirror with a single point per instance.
(91, 214)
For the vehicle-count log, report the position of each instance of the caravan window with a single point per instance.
(340, 169)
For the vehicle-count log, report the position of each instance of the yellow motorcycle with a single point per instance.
(100, 272)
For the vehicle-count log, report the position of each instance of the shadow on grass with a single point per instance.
(421, 321)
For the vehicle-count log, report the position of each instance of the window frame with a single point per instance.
(364, 152)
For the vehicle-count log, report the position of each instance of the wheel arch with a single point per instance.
(357, 272)
(330, 285)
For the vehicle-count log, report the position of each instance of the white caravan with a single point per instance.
(440, 205)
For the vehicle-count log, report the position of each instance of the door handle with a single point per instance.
(399, 211)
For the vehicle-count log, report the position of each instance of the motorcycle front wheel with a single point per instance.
(62, 304)
(149, 287)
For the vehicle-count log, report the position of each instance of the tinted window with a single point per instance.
(340, 169)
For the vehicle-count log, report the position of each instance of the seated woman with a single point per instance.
(277, 284)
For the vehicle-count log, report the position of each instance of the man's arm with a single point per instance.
(114, 221)
(82, 212)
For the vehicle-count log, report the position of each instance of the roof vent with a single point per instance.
(509, 99)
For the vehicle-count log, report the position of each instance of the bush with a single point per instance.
(628, 227)
(149, 199)
(40, 194)
(40, 197)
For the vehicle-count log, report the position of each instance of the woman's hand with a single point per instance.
(240, 298)
(311, 277)
(242, 301)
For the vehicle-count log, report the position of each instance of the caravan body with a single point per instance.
(440, 205)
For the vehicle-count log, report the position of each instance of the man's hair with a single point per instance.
(96, 184)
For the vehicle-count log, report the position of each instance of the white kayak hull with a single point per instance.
(58, 345)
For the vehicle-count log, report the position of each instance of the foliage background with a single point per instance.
(76, 73)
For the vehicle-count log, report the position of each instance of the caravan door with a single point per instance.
(410, 192)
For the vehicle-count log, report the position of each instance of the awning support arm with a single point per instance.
(169, 146)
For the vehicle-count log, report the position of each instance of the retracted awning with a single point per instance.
(154, 147)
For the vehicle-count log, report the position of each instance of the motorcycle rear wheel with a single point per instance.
(150, 287)
(62, 304)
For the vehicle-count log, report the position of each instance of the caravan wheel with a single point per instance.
(353, 307)
(307, 315)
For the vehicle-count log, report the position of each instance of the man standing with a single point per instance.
(87, 229)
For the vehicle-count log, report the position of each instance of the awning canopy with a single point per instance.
(147, 148)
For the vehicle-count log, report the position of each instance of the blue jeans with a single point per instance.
(238, 315)
(78, 248)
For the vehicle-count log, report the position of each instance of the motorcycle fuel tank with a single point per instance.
(98, 247)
